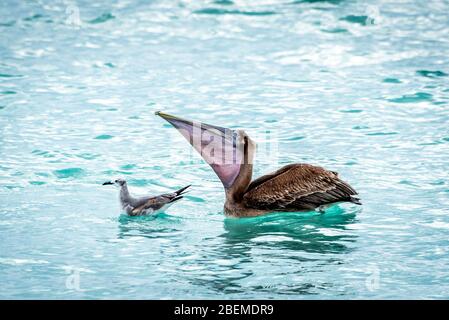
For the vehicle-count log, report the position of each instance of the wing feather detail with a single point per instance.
(158, 202)
(297, 187)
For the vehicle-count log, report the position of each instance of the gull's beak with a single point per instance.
(220, 147)
(108, 183)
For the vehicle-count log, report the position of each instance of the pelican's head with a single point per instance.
(225, 150)
(118, 182)
(248, 146)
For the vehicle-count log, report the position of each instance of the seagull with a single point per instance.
(293, 188)
(145, 205)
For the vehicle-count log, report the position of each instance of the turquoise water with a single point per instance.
(355, 86)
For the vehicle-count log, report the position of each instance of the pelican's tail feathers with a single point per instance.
(355, 200)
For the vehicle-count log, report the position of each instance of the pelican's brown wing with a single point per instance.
(297, 187)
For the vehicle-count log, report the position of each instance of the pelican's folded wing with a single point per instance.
(297, 187)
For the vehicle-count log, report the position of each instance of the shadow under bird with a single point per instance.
(145, 205)
(295, 187)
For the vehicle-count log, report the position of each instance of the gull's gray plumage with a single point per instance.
(145, 205)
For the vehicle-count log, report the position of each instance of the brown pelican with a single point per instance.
(144, 205)
(295, 187)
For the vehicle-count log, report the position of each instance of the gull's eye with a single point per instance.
(116, 181)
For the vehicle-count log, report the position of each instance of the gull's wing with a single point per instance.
(158, 202)
(297, 187)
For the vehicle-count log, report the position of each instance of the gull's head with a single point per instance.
(118, 182)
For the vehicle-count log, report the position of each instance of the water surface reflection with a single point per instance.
(279, 250)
